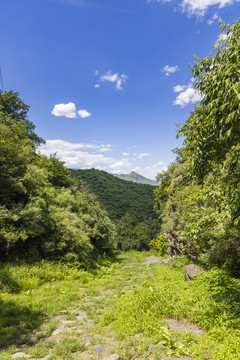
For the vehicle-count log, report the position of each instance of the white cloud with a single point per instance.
(187, 94)
(199, 7)
(179, 88)
(105, 149)
(170, 69)
(117, 79)
(119, 165)
(151, 171)
(84, 156)
(67, 110)
(87, 156)
(125, 154)
(222, 36)
(97, 86)
(212, 19)
(84, 113)
(140, 156)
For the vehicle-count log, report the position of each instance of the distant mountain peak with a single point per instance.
(137, 178)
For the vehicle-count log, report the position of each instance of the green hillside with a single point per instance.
(119, 196)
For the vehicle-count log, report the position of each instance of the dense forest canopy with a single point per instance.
(129, 205)
(199, 195)
(44, 213)
(119, 196)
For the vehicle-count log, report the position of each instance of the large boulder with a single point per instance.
(151, 259)
(191, 270)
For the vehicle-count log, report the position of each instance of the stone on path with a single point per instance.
(60, 317)
(57, 331)
(183, 327)
(81, 317)
(191, 270)
(151, 260)
(177, 358)
(19, 355)
(167, 261)
(88, 303)
(158, 346)
(112, 357)
(85, 355)
(98, 349)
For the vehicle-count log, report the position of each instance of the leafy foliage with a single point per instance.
(160, 244)
(131, 234)
(119, 196)
(199, 194)
(130, 205)
(43, 212)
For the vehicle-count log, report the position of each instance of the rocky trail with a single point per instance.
(83, 331)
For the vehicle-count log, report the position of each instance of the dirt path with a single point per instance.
(82, 332)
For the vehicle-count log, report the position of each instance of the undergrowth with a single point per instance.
(31, 293)
(211, 301)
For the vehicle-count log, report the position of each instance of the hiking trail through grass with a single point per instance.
(119, 315)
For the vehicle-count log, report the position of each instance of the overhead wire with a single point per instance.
(1, 78)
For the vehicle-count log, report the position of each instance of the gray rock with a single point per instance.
(137, 335)
(57, 331)
(151, 260)
(81, 312)
(98, 349)
(85, 356)
(66, 322)
(112, 357)
(81, 317)
(191, 270)
(167, 261)
(19, 355)
(60, 317)
(158, 346)
(88, 303)
(177, 358)
(112, 342)
(183, 327)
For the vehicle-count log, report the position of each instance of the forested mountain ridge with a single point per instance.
(128, 204)
(119, 196)
(137, 178)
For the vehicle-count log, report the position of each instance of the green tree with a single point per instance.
(42, 210)
(199, 195)
(131, 234)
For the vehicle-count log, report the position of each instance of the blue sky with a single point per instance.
(107, 80)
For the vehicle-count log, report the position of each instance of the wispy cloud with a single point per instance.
(170, 69)
(115, 78)
(197, 7)
(187, 95)
(67, 110)
(140, 156)
(200, 7)
(212, 19)
(80, 3)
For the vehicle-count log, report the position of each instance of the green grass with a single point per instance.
(140, 298)
(211, 301)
